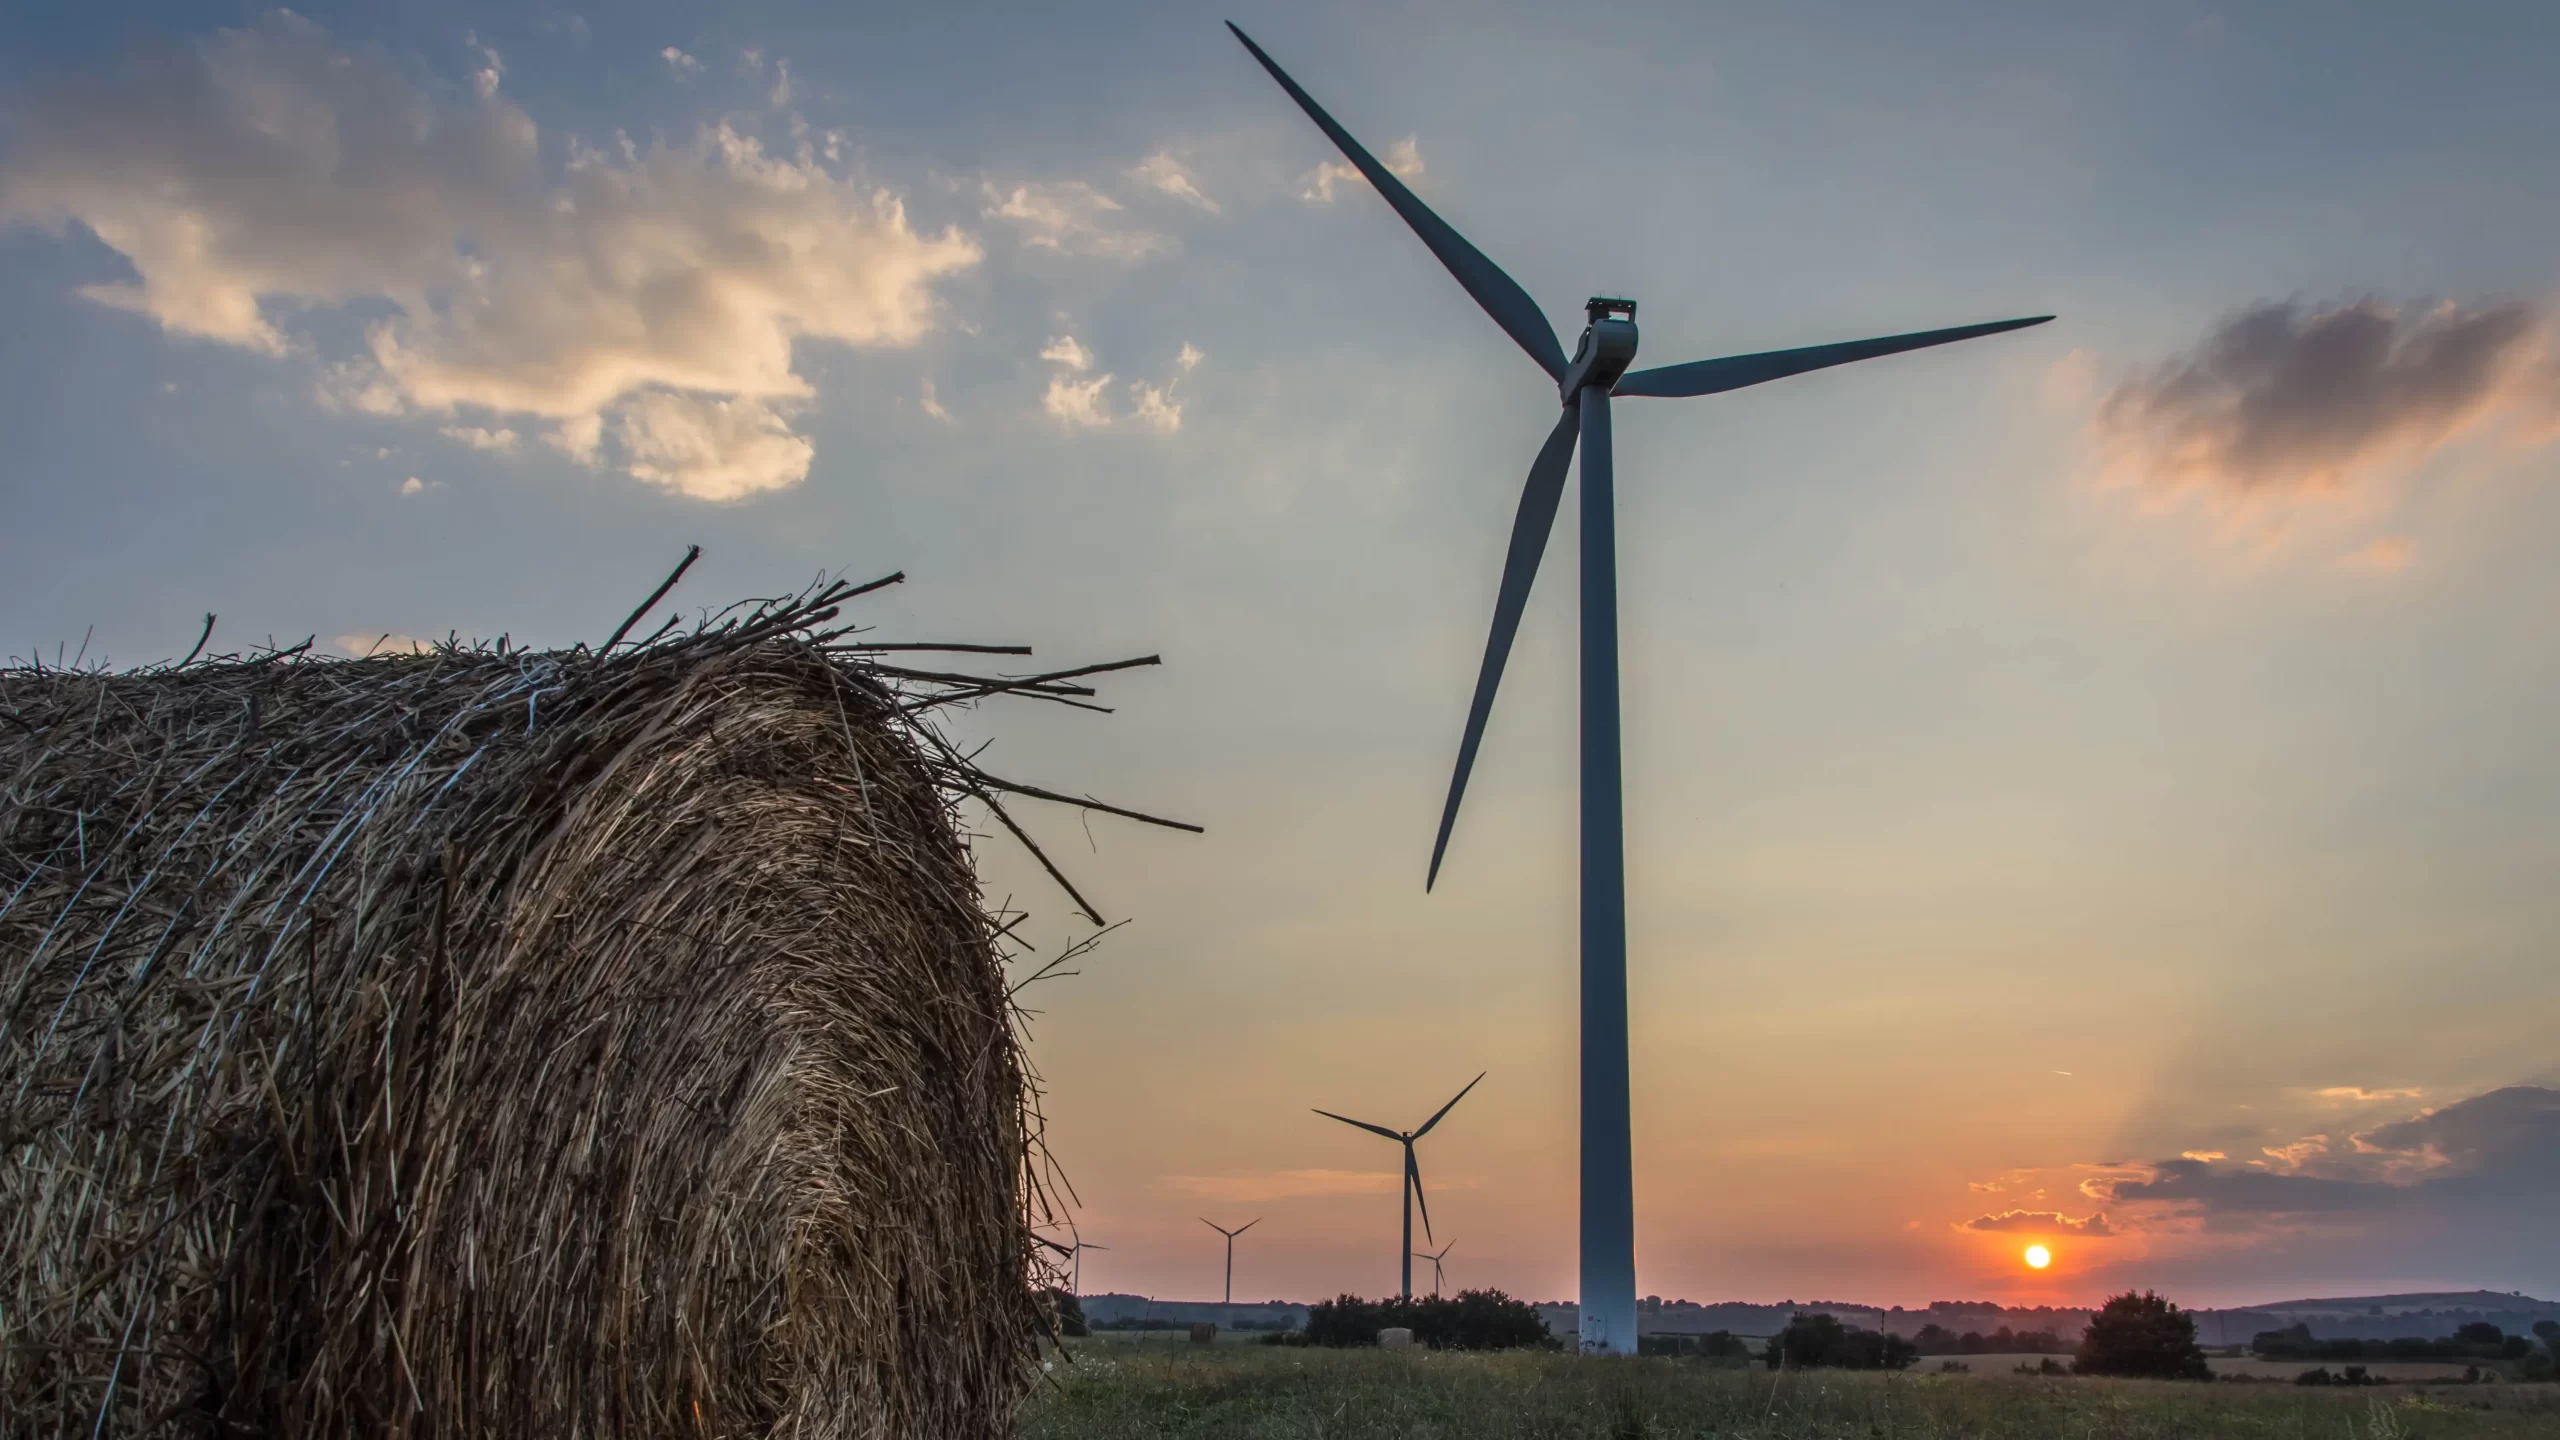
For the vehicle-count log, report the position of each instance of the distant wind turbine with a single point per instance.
(1435, 1264)
(1597, 370)
(1412, 1172)
(1075, 1286)
(1231, 1249)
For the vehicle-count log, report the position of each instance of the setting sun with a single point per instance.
(2038, 1257)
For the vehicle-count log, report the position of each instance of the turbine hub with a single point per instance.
(1608, 347)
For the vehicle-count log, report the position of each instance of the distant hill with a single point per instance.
(1264, 1315)
(2428, 1316)
(2393, 1304)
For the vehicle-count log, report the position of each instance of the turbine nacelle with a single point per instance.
(1608, 347)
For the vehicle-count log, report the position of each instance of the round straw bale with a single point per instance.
(502, 1043)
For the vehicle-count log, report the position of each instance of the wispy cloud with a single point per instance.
(1403, 160)
(1161, 171)
(480, 437)
(1075, 395)
(2359, 1095)
(1072, 218)
(680, 62)
(2040, 1222)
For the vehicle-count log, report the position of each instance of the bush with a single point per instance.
(1821, 1340)
(2142, 1335)
(1067, 1310)
(1470, 1320)
(1935, 1339)
(2352, 1375)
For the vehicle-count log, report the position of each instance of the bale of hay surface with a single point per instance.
(504, 1043)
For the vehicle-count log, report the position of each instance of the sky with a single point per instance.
(2087, 785)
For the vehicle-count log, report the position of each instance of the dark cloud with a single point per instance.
(2279, 397)
(2042, 1222)
(2204, 1185)
(2517, 1128)
(2476, 1157)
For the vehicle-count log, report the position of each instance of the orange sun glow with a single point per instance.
(2038, 1257)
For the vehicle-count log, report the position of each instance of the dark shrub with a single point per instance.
(1817, 1339)
(1470, 1320)
(2142, 1335)
(1067, 1310)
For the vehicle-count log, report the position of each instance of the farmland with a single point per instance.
(1114, 1390)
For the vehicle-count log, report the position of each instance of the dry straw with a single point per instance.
(490, 1042)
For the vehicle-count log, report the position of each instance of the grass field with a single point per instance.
(1106, 1391)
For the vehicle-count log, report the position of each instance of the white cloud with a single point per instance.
(1163, 172)
(493, 67)
(580, 437)
(1153, 408)
(413, 486)
(1071, 217)
(266, 170)
(932, 406)
(481, 438)
(1190, 357)
(781, 92)
(1077, 402)
(1077, 398)
(680, 62)
(1403, 160)
(710, 448)
(361, 646)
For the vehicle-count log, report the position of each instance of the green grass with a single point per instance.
(1123, 1392)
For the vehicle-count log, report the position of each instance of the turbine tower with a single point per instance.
(1598, 370)
(1435, 1264)
(1412, 1171)
(1231, 1250)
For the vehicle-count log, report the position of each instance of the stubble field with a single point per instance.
(1106, 1391)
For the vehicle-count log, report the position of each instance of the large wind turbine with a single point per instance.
(1597, 371)
(1231, 1250)
(1412, 1171)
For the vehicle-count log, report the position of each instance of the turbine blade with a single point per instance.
(1714, 377)
(1529, 529)
(1452, 1105)
(1413, 1172)
(1396, 1136)
(1499, 294)
(1249, 1224)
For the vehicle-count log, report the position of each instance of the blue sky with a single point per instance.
(2156, 696)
